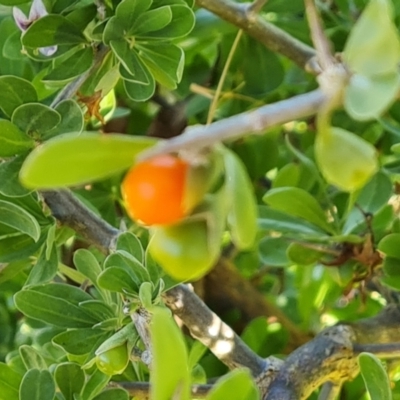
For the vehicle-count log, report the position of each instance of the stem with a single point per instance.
(251, 122)
(217, 93)
(268, 34)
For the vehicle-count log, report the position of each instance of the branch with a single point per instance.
(332, 355)
(72, 88)
(208, 328)
(277, 40)
(239, 294)
(251, 122)
(72, 213)
(225, 344)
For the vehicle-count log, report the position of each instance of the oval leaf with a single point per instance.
(242, 216)
(12, 140)
(299, 203)
(64, 311)
(345, 160)
(15, 91)
(375, 377)
(70, 379)
(373, 46)
(89, 156)
(37, 385)
(170, 375)
(368, 97)
(16, 217)
(52, 30)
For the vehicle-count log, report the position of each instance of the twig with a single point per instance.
(72, 213)
(269, 35)
(321, 42)
(252, 122)
(218, 91)
(389, 350)
(72, 88)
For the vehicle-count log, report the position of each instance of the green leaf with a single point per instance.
(368, 97)
(8, 271)
(37, 385)
(138, 91)
(390, 245)
(182, 23)
(376, 193)
(238, 384)
(98, 308)
(45, 268)
(165, 61)
(71, 65)
(12, 140)
(345, 160)
(113, 394)
(146, 295)
(127, 334)
(16, 217)
(373, 46)
(152, 20)
(14, 92)
(19, 247)
(35, 118)
(117, 279)
(9, 180)
(242, 212)
(375, 377)
(130, 243)
(130, 61)
(273, 251)
(70, 379)
(71, 119)
(52, 30)
(64, 299)
(274, 220)
(99, 156)
(129, 10)
(262, 60)
(87, 264)
(301, 254)
(170, 377)
(9, 383)
(31, 358)
(299, 203)
(81, 341)
(96, 382)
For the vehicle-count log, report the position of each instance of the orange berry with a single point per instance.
(154, 190)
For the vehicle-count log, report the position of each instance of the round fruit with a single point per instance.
(183, 250)
(154, 190)
(113, 361)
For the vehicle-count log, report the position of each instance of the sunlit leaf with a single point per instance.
(89, 157)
